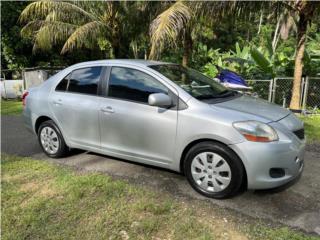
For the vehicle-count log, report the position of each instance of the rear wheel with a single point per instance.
(213, 170)
(51, 140)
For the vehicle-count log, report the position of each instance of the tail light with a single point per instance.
(24, 98)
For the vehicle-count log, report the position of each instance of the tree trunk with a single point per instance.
(276, 35)
(260, 22)
(298, 67)
(187, 48)
(116, 47)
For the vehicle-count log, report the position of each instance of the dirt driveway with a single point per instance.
(296, 206)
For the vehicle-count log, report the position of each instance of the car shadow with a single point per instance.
(242, 190)
(75, 151)
(135, 163)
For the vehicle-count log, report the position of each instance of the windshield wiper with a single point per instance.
(226, 93)
(223, 94)
(205, 97)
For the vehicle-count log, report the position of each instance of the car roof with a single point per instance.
(133, 62)
(137, 62)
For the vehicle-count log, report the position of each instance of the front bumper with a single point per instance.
(260, 158)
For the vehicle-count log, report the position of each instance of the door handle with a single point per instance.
(57, 102)
(107, 109)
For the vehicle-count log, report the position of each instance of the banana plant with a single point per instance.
(240, 56)
(264, 63)
(269, 61)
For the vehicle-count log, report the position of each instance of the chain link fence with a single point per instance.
(282, 91)
(312, 99)
(279, 91)
(261, 88)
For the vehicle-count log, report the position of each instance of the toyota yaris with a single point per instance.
(169, 116)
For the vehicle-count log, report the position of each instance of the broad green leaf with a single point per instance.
(238, 50)
(270, 49)
(245, 52)
(261, 61)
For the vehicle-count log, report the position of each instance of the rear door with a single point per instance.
(129, 126)
(75, 104)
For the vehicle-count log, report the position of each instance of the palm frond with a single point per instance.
(50, 33)
(59, 28)
(84, 35)
(31, 27)
(40, 9)
(167, 26)
(61, 16)
(214, 9)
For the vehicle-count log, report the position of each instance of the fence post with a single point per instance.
(305, 93)
(274, 89)
(284, 102)
(5, 90)
(24, 79)
(270, 90)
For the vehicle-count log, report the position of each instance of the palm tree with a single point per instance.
(176, 24)
(168, 27)
(88, 24)
(293, 15)
(306, 11)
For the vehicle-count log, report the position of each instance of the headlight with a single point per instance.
(255, 131)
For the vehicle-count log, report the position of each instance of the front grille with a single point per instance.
(299, 133)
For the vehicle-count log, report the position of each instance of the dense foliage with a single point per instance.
(121, 30)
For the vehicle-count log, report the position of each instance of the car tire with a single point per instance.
(51, 140)
(214, 170)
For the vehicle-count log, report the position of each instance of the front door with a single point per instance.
(129, 126)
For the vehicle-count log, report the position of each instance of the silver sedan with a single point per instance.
(169, 116)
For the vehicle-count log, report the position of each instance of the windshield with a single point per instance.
(195, 83)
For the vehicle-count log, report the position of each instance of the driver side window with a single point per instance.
(132, 84)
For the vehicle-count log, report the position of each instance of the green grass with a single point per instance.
(44, 201)
(11, 107)
(312, 128)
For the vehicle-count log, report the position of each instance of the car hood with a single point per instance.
(255, 106)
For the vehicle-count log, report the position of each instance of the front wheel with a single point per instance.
(51, 140)
(214, 170)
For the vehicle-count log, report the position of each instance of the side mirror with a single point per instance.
(160, 100)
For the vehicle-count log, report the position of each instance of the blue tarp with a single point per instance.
(227, 76)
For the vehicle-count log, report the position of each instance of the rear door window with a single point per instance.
(62, 86)
(84, 80)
